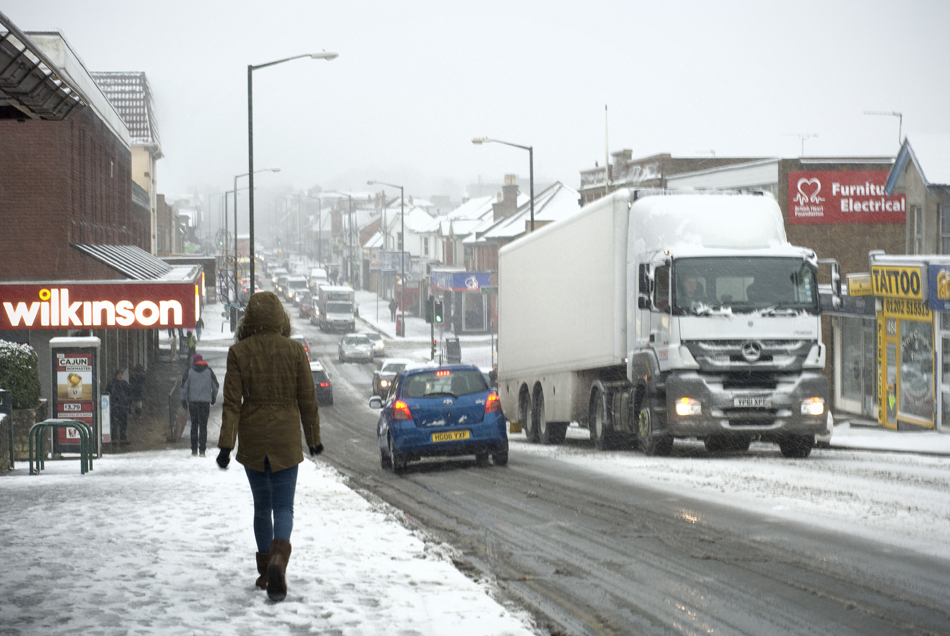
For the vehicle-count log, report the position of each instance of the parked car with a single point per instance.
(321, 380)
(302, 340)
(385, 373)
(355, 347)
(440, 411)
(379, 345)
(303, 303)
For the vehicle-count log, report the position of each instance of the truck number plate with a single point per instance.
(752, 402)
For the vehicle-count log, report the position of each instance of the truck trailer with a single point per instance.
(651, 315)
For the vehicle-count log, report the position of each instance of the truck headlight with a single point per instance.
(813, 406)
(688, 406)
(384, 383)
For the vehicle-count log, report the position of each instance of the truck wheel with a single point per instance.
(650, 442)
(797, 446)
(527, 418)
(548, 432)
(601, 428)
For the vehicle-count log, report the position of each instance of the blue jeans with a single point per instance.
(273, 503)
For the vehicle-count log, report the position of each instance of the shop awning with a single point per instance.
(134, 263)
(31, 86)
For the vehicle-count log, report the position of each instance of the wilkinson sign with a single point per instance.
(842, 197)
(97, 305)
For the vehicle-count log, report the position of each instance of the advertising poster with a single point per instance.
(842, 197)
(76, 396)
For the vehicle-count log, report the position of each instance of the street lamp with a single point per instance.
(237, 282)
(250, 139)
(402, 245)
(485, 140)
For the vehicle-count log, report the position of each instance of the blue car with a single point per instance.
(440, 411)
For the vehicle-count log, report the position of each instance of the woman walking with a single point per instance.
(268, 393)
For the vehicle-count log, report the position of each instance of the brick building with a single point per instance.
(70, 218)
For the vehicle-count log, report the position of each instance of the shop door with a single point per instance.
(888, 365)
(869, 367)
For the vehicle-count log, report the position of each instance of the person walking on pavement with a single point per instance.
(268, 395)
(199, 326)
(120, 404)
(192, 345)
(199, 390)
(393, 306)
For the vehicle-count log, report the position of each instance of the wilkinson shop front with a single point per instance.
(466, 297)
(912, 301)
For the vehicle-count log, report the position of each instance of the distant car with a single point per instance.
(303, 303)
(302, 340)
(292, 285)
(354, 347)
(385, 373)
(440, 411)
(379, 345)
(321, 380)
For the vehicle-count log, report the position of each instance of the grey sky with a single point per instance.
(416, 80)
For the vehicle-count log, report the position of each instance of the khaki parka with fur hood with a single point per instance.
(268, 390)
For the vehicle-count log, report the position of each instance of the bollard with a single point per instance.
(6, 407)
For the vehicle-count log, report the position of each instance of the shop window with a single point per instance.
(473, 312)
(916, 369)
(425, 246)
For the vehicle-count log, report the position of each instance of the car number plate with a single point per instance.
(752, 402)
(451, 436)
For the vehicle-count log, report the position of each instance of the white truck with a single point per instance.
(337, 307)
(651, 315)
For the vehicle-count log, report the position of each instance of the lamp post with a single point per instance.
(402, 246)
(350, 234)
(485, 140)
(250, 139)
(251, 195)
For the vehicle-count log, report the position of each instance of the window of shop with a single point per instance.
(943, 422)
(858, 346)
(945, 229)
(425, 246)
(473, 312)
(916, 370)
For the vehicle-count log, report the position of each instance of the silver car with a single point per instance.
(379, 345)
(356, 347)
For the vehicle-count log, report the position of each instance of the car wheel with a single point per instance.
(481, 459)
(651, 443)
(398, 462)
(797, 446)
(384, 462)
(500, 456)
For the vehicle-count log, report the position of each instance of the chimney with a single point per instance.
(507, 203)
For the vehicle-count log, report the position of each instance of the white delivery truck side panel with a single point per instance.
(562, 305)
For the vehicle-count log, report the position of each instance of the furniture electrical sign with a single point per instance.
(842, 197)
(99, 305)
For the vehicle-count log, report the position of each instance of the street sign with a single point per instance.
(490, 290)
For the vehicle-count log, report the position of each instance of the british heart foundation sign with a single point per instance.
(842, 197)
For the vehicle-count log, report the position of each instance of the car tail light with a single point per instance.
(401, 411)
(324, 385)
(492, 404)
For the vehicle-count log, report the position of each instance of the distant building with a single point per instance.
(131, 96)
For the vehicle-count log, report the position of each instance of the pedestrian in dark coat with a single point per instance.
(120, 403)
(393, 306)
(268, 395)
(199, 390)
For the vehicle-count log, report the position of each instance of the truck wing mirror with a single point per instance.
(644, 302)
(836, 301)
(644, 287)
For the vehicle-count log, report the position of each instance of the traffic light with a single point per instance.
(438, 312)
(429, 310)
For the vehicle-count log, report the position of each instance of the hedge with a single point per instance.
(19, 374)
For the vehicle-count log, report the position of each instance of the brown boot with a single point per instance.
(262, 558)
(276, 569)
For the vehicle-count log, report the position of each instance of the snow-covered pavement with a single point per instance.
(159, 542)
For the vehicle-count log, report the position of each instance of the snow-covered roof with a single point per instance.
(130, 95)
(552, 204)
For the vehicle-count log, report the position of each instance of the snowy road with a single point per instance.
(846, 542)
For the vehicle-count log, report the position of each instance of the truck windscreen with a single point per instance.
(339, 308)
(743, 284)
